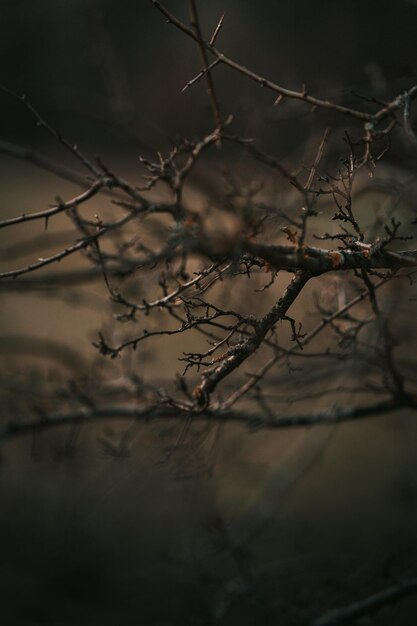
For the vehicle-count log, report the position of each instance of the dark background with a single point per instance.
(320, 518)
(112, 72)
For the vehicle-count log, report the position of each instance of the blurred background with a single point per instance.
(260, 528)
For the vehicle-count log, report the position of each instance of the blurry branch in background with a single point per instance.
(34, 157)
(368, 606)
(169, 412)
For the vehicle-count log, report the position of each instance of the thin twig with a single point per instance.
(41, 122)
(205, 65)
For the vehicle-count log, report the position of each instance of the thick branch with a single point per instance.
(318, 260)
(238, 354)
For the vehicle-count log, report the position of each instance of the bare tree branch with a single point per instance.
(369, 605)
